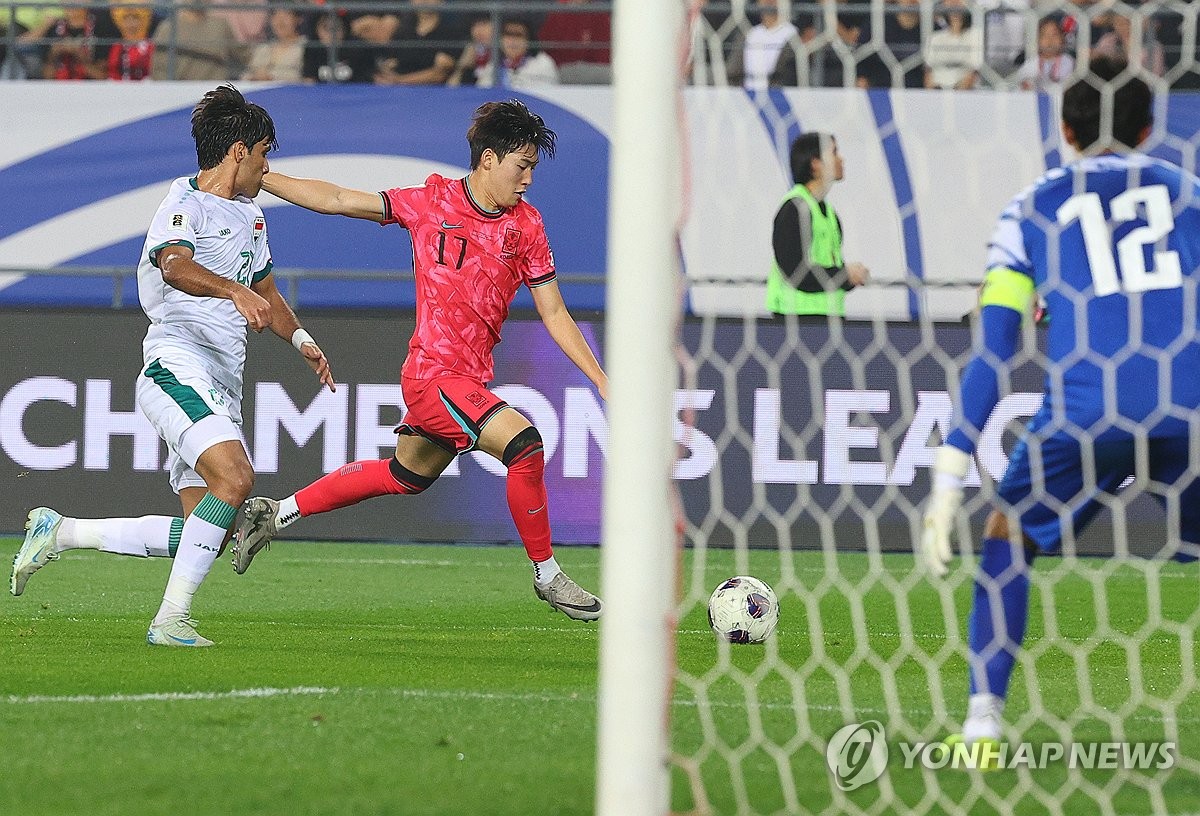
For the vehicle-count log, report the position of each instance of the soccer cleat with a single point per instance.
(569, 598)
(255, 531)
(38, 549)
(176, 632)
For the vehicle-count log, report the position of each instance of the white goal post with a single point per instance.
(805, 444)
(639, 537)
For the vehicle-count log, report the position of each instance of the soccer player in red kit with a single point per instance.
(476, 241)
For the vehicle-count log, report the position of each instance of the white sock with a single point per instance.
(203, 533)
(289, 512)
(985, 705)
(142, 537)
(984, 713)
(544, 571)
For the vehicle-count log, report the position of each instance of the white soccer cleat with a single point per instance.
(983, 726)
(179, 631)
(38, 549)
(255, 531)
(569, 598)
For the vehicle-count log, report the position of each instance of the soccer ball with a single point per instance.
(743, 610)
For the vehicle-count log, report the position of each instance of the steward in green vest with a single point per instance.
(808, 276)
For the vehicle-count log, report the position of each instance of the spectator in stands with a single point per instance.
(1052, 65)
(755, 63)
(206, 48)
(520, 66)
(475, 54)
(73, 52)
(852, 12)
(954, 53)
(249, 24)
(372, 40)
(1117, 42)
(902, 36)
(130, 58)
(808, 276)
(838, 64)
(579, 42)
(423, 52)
(347, 65)
(1172, 28)
(281, 59)
(31, 25)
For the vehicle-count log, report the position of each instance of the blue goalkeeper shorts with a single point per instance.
(1045, 484)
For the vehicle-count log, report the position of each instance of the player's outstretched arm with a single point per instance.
(325, 197)
(1001, 315)
(286, 325)
(563, 329)
(181, 272)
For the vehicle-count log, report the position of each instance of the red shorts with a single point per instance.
(450, 411)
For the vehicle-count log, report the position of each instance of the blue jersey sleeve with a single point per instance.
(981, 379)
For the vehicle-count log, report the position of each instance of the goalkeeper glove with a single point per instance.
(941, 511)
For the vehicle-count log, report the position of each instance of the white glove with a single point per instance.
(941, 511)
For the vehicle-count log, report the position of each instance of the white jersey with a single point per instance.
(228, 238)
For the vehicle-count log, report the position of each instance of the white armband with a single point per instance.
(300, 337)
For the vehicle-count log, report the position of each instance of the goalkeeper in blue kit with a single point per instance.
(1111, 244)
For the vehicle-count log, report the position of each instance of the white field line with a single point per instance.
(457, 694)
(169, 696)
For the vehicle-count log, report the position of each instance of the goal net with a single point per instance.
(806, 443)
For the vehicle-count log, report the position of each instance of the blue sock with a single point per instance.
(994, 640)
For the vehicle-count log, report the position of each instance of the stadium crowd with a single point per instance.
(1029, 44)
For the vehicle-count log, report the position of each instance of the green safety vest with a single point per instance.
(826, 250)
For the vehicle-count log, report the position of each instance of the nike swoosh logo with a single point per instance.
(593, 607)
(186, 642)
(535, 512)
(450, 226)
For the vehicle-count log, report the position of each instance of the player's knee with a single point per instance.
(525, 447)
(240, 481)
(409, 481)
(234, 484)
(996, 525)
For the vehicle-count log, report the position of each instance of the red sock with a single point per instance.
(526, 486)
(356, 481)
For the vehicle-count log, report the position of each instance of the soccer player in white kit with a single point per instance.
(203, 277)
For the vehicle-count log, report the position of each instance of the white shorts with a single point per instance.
(191, 412)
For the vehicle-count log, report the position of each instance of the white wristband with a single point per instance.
(950, 467)
(300, 337)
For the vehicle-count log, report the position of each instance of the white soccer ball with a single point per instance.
(743, 610)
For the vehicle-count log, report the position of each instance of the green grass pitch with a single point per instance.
(374, 679)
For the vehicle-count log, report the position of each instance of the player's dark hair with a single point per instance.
(222, 119)
(1108, 106)
(805, 148)
(504, 127)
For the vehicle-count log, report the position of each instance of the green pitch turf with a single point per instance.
(376, 679)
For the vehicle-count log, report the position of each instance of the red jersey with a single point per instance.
(130, 60)
(469, 264)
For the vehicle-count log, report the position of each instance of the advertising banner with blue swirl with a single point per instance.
(83, 166)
